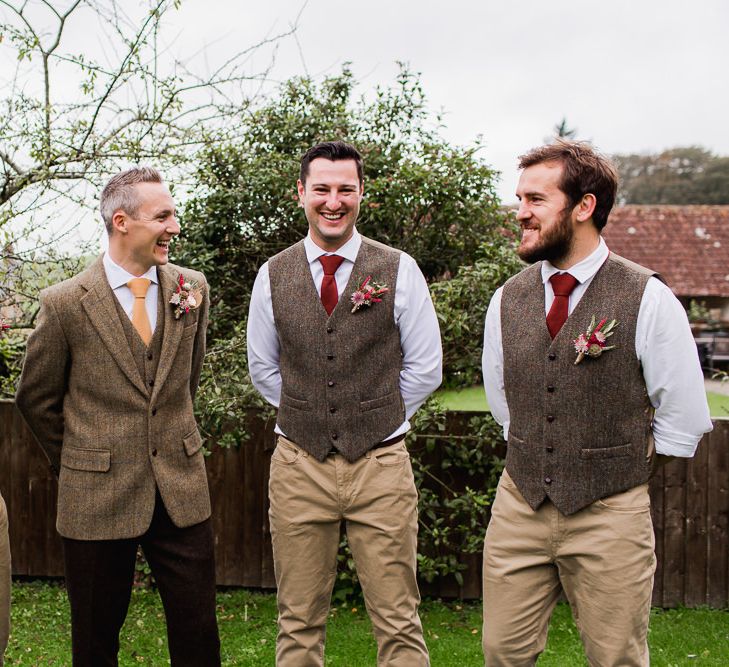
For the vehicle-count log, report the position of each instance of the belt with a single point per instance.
(379, 445)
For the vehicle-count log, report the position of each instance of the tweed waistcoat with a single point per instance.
(340, 373)
(577, 433)
(145, 357)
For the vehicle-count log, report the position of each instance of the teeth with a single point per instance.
(332, 216)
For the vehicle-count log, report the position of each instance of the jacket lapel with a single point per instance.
(101, 311)
(172, 328)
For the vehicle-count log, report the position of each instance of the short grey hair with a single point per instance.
(119, 193)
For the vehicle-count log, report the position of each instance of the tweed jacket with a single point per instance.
(113, 438)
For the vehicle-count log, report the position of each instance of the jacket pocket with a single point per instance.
(192, 442)
(295, 403)
(388, 399)
(90, 460)
(189, 331)
(607, 452)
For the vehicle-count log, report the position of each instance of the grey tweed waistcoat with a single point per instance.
(340, 373)
(577, 433)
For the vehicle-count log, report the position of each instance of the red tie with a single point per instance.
(562, 284)
(329, 292)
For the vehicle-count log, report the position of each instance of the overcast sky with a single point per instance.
(630, 75)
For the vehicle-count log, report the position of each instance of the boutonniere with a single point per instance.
(187, 297)
(592, 343)
(3, 326)
(369, 292)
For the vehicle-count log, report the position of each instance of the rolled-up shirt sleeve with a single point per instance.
(264, 349)
(672, 372)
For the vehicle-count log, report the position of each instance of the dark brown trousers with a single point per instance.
(99, 578)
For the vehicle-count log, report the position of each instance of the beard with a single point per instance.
(554, 244)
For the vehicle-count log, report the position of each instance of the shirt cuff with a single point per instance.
(676, 444)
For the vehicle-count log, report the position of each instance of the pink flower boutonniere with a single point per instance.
(592, 343)
(369, 292)
(187, 297)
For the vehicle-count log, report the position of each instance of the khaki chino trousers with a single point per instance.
(377, 499)
(602, 557)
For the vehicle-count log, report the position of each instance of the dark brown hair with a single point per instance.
(330, 150)
(584, 171)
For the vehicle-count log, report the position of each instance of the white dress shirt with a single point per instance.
(118, 279)
(663, 343)
(415, 318)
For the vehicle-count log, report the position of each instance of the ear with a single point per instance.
(585, 207)
(301, 189)
(119, 221)
(361, 191)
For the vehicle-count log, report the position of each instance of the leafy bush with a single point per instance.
(461, 304)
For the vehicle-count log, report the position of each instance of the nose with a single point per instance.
(333, 202)
(523, 212)
(173, 226)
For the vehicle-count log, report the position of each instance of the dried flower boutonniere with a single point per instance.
(592, 343)
(187, 297)
(369, 292)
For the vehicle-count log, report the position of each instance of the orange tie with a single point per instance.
(140, 321)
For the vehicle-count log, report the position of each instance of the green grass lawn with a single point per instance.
(41, 633)
(474, 399)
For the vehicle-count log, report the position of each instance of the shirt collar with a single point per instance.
(583, 270)
(349, 250)
(118, 276)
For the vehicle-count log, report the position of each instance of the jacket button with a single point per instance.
(549, 449)
(330, 329)
(550, 418)
(547, 480)
(151, 383)
(149, 356)
(154, 411)
(550, 389)
(332, 409)
(154, 452)
(330, 383)
(334, 436)
(551, 356)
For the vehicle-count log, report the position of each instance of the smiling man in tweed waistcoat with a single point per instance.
(343, 339)
(590, 366)
(107, 387)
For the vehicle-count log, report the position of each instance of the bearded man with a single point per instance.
(589, 397)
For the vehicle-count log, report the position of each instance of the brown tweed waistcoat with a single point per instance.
(577, 433)
(340, 373)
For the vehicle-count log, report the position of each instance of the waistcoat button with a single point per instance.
(551, 356)
(549, 448)
(330, 383)
(550, 418)
(330, 329)
(334, 436)
(154, 452)
(550, 389)
(332, 409)
(547, 480)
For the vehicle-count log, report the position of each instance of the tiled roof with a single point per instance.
(687, 245)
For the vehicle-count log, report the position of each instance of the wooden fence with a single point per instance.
(690, 514)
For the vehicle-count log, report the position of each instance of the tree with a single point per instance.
(684, 175)
(433, 200)
(72, 113)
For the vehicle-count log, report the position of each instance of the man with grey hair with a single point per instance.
(107, 389)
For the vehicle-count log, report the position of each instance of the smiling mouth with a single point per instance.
(332, 216)
(165, 245)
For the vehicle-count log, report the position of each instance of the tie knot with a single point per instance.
(139, 287)
(330, 263)
(563, 284)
